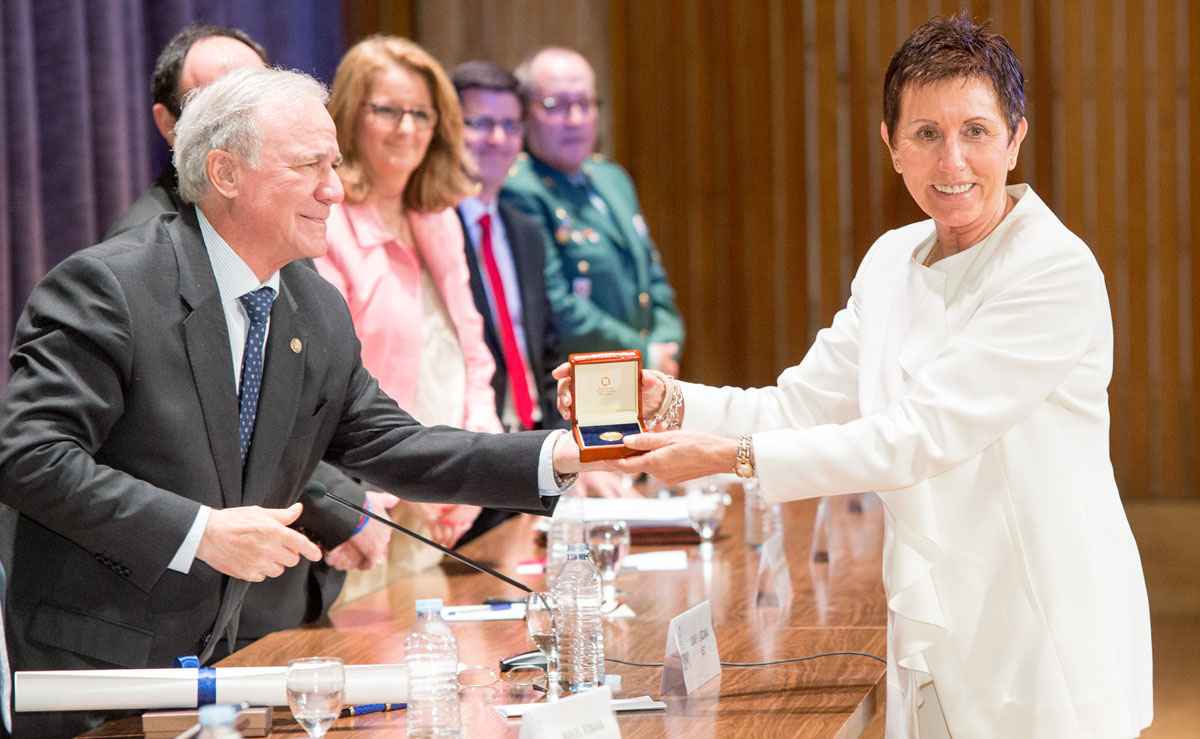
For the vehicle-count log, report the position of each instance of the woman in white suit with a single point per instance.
(966, 382)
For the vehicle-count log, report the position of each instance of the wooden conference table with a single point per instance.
(835, 606)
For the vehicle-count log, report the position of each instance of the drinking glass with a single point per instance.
(540, 624)
(706, 507)
(608, 543)
(315, 686)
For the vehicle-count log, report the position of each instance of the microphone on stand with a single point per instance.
(317, 489)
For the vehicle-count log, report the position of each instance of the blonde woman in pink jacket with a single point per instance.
(396, 254)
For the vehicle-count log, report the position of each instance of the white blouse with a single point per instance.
(972, 396)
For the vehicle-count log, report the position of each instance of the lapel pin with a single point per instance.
(296, 346)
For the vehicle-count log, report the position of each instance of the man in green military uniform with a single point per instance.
(604, 276)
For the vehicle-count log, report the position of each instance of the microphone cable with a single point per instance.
(317, 489)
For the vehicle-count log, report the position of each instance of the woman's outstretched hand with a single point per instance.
(676, 456)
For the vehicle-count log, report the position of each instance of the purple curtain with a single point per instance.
(77, 143)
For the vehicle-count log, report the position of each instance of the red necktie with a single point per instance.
(508, 339)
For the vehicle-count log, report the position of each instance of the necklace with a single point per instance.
(933, 252)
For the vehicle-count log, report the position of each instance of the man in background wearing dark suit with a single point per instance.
(508, 270)
(174, 388)
(192, 58)
(510, 249)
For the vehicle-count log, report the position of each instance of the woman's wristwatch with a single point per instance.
(744, 467)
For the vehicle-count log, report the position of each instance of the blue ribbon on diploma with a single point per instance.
(206, 679)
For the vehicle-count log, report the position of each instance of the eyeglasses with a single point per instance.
(424, 117)
(476, 676)
(557, 107)
(486, 125)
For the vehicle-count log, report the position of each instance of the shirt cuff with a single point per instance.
(186, 554)
(548, 481)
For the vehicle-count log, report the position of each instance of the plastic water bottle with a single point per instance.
(218, 722)
(762, 520)
(580, 631)
(431, 654)
(566, 528)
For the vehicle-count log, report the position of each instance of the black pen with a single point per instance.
(372, 708)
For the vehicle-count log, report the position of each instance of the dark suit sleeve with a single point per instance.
(547, 385)
(71, 361)
(325, 521)
(375, 441)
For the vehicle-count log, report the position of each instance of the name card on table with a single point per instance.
(586, 715)
(690, 659)
(774, 577)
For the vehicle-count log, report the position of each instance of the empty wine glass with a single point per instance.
(315, 686)
(540, 624)
(608, 543)
(706, 507)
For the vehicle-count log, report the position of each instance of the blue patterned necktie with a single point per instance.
(258, 307)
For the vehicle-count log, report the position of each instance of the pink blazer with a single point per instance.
(380, 279)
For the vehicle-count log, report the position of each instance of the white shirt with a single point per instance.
(234, 279)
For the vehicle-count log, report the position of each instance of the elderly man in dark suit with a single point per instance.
(174, 388)
(194, 57)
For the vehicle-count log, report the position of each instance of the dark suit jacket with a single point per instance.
(537, 318)
(120, 421)
(161, 197)
(528, 248)
(305, 592)
(5, 677)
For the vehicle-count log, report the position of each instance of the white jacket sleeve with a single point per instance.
(1023, 345)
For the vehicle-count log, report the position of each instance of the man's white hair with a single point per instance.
(226, 114)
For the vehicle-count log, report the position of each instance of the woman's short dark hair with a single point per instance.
(950, 49)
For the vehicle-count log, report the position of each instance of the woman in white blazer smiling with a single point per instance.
(966, 382)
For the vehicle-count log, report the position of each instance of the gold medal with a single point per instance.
(611, 436)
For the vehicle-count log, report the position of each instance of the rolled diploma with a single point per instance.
(110, 690)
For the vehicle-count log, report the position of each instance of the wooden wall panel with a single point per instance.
(751, 129)
(1112, 148)
(362, 18)
(1189, 218)
(1108, 195)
